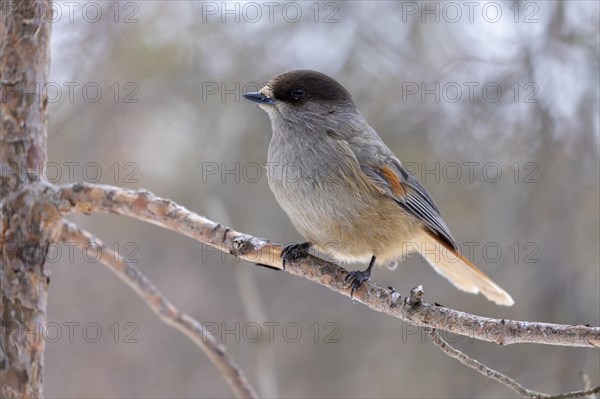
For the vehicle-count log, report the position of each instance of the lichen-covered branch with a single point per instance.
(165, 310)
(143, 205)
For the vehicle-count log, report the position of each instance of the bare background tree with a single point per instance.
(189, 137)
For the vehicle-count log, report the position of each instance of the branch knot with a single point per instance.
(416, 296)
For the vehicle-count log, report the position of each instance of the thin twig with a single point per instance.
(165, 310)
(587, 384)
(585, 379)
(252, 302)
(481, 368)
(91, 198)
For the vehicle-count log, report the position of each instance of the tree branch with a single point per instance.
(496, 375)
(89, 198)
(165, 310)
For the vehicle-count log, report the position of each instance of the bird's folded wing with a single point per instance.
(395, 182)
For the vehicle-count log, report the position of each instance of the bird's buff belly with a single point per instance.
(352, 228)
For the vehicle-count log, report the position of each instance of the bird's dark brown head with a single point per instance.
(298, 87)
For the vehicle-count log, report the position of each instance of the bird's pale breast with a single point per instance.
(338, 209)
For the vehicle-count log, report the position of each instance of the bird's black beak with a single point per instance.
(258, 97)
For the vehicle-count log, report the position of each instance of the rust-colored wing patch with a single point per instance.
(394, 181)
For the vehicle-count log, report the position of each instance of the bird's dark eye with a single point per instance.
(297, 93)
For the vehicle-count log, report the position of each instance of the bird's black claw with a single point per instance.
(356, 279)
(293, 252)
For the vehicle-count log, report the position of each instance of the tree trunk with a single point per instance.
(25, 228)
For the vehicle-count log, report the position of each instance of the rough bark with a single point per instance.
(27, 224)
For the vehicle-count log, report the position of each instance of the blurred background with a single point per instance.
(494, 106)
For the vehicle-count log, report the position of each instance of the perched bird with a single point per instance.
(346, 192)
